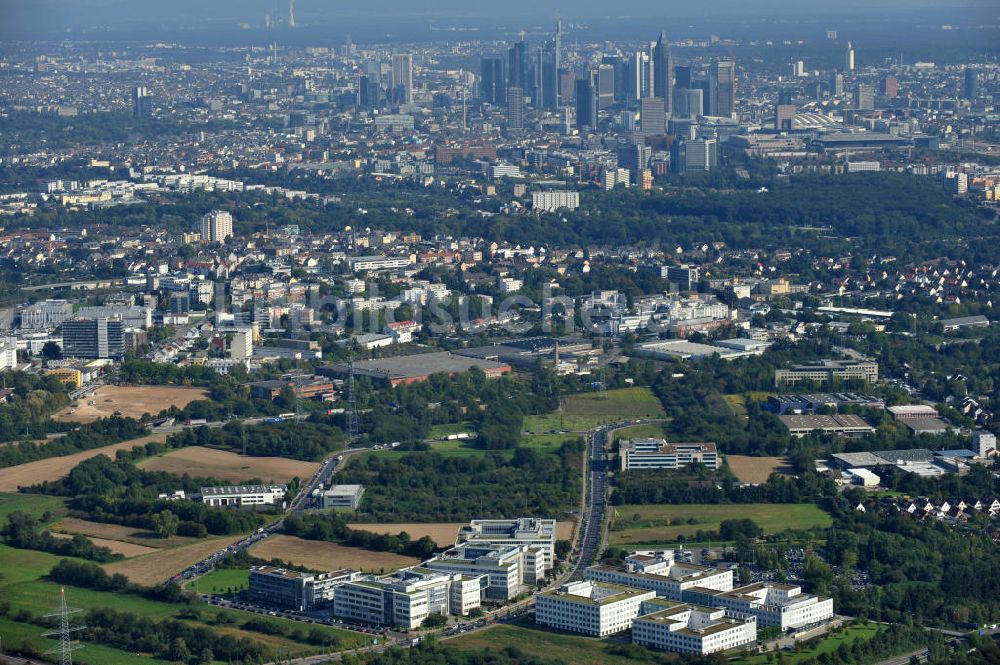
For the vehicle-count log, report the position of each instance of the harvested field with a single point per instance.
(443, 533)
(54, 468)
(127, 550)
(321, 555)
(131, 401)
(159, 565)
(228, 466)
(756, 469)
(125, 534)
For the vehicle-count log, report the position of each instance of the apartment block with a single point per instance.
(773, 604)
(642, 454)
(657, 571)
(685, 628)
(590, 608)
(538, 535)
(294, 590)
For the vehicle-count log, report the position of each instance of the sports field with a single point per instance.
(160, 565)
(664, 523)
(756, 470)
(54, 468)
(320, 555)
(228, 466)
(130, 401)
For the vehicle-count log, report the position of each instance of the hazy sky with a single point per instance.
(26, 18)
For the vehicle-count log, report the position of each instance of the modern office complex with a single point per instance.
(590, 608)
(643, 454)
(93, 338)
(828, 370)
(407, 597)
(507, 567)
(657, 571)
(295, 590)
(243, 495)
(773, 604)
(46, 314)
(685, 628)
(343, 496)
(529, 531)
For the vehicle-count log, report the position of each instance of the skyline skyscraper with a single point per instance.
(141, 102)
(402, 78)
(970, 84)
(586, 102)
(723, 89)
(652, 116)
(663, 73)
(515, 107)
(492, 80)
(849, 57)
(517, 65)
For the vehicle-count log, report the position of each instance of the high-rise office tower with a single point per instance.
(567, 86)
(291, 13)
(635, 158)
(142, 102)
(216, 226)
(864, 97)
(605, 86)
(696, 155)
(557, 54)
(586, 103)
(890, 87)
(652, 116)
(369, 92)
(547, 77)
(836, 84)
(849, 57)
(517, 65)
(402, 78)
(492, 83)
(636, 74)
(970, 87)
(688, 103)
(515, 107)
(663, 73)
(784, 117)
(93, 338)
(682, 78)
(723, 102)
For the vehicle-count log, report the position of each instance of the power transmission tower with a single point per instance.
(352, 404)
(64, 632)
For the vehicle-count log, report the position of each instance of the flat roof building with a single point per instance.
(642, 454)
(507, 567)
(243, 495)
(305, 386)
(343, 496)
(590, 608)
(687, 628)
(827, 370)
(530, 531)
(847, 425)
(659, 572)
(407, 597)
(773, 604)
(295, 590)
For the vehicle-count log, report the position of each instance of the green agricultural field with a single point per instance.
(826, 645)
(664, 524)
(534, 641)
(221, 580)
(34, 504)
(26, 637)
(588, 410)
(25, 586)
(650, 431)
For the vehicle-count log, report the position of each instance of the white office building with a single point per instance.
(774, 604)
(657, 571)
(244, 495)
(366, 263)
(530, 531)
(295, 590)
(684, 628)
(8, 353)
(407, 597)
(343, 496)
(242, 345)
(506, 567)
(644, 454)
(590, 608)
